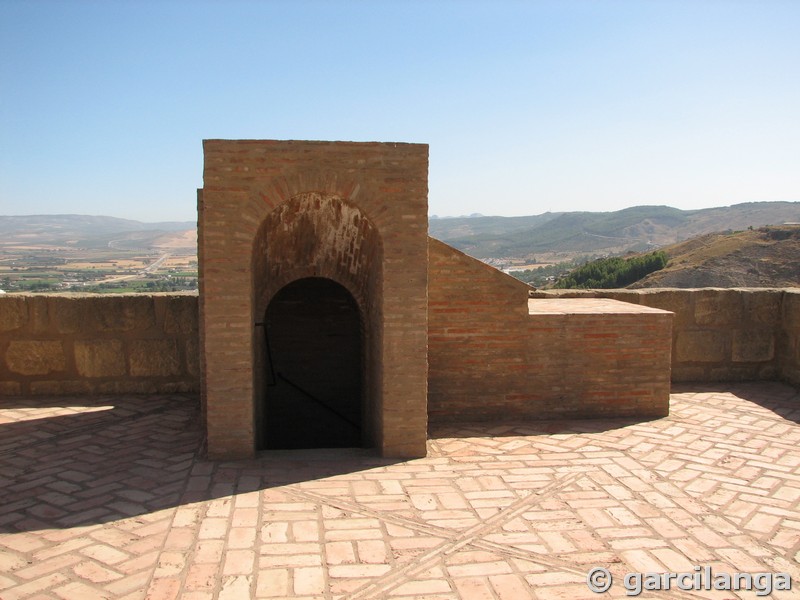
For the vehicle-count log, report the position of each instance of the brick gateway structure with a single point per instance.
(291, 236)
(326, 313)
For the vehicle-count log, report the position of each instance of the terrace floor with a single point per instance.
(108, 498)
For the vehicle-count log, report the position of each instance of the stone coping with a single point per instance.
(584, 306)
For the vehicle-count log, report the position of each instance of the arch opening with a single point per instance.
(313, 392)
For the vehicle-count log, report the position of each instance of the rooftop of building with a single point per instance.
(107, 497)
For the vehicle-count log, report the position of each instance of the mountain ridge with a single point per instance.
(535, 238)
(88, 231)
(571, 234)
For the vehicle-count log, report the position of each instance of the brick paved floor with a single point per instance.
(107, 499)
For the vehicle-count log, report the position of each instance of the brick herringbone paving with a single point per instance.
(108, 499)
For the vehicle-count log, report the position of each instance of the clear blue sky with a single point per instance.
(528, 106)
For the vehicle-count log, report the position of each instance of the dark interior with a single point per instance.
(313, 381)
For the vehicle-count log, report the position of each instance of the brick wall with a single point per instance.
(722, 334)
(96, 344)
(491, 357)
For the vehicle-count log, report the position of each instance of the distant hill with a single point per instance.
(92, 232)
(762, 257)
(546, 237)
(635, 229)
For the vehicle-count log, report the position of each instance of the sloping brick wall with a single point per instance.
(92, 344)
(494, 357)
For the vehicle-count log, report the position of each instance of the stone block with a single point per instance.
(769, 372)
(682, 373)
(99, 358)
(753, 346)
(39, 313)
(157, 358)
(676, 301)
(700, 346)
(34, 357)
(87, 314)
(180, 314)
(13, 313)
(762, 307)
(735, 372)
(718, 307)
(791, 310)
(10, 388)
(128, 386)
(791, 375)
(60, 388)
(193, 357)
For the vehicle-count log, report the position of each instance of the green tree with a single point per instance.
(615, 272)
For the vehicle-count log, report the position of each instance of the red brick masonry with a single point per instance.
(535, 358)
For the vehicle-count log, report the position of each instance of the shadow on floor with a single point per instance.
(779, 398)
(92, 461)
(75, 461)
(527, 427)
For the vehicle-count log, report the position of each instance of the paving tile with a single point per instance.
(118, 506)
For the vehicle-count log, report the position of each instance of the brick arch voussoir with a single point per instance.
(261, 211)
(284, 188)
(292, 275)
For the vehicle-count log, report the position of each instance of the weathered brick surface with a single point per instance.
(86, 344)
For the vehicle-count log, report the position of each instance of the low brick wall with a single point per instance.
(98, 344)
(491, 357)
(722, 334)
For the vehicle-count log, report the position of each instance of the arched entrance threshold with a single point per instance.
(313, 391)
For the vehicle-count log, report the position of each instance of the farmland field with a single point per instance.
(81, 270)
(52, 260)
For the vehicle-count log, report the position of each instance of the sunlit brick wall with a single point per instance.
(491, 359)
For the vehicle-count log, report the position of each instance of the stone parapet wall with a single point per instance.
(98, 344)
(722, 334)
(789, 346)
(77, 344)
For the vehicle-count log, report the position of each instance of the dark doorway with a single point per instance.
(313, 380)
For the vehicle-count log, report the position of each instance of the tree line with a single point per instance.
(616, 272)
